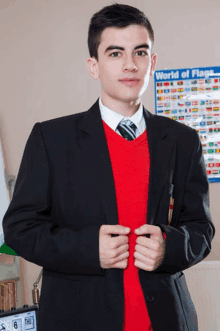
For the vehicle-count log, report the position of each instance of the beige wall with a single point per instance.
(43, 54)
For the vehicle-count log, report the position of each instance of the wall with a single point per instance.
(43, 53)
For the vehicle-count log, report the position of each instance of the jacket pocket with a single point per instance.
(186, 302)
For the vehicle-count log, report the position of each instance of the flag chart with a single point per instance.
(192, 96)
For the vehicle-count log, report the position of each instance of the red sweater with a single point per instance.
(131, 164)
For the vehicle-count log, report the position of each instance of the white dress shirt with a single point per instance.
(112, 118)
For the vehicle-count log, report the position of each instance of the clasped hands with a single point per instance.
(113, 251)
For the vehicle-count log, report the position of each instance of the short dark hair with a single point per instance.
(116, 15)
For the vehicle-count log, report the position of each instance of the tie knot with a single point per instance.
(128, 123)
(127, 129)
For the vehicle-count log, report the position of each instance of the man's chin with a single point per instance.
(123, 97)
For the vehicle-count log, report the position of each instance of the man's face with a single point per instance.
(115, 65)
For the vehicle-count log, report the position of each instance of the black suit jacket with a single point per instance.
(65, 191)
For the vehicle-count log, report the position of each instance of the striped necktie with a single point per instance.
(127, 129)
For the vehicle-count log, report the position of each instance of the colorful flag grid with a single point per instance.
(202, 114)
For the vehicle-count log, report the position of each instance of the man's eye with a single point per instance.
(114, 53)
(142, 52)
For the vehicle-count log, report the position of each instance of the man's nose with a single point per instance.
(129, 63)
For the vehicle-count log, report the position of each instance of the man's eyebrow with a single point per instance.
(111, 47)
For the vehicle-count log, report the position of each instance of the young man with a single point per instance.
(86, 177)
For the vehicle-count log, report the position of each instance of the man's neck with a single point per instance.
(126, 109)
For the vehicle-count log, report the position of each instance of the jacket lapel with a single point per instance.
(94, 147)
(161, 150)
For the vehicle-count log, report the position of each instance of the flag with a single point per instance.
(159, 104)
(187, 82)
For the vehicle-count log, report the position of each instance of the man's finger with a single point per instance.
(147, 229)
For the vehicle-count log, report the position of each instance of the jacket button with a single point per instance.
(150, 298)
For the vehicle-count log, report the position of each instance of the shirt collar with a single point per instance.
(113, 118)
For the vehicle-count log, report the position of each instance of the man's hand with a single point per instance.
(113, 251)
(149, 252)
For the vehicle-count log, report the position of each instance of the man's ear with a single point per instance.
(92, 65)
(153, 63)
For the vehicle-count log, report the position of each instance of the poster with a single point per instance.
(192, 96)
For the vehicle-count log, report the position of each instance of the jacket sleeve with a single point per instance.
(189, 240)
(28, 225)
